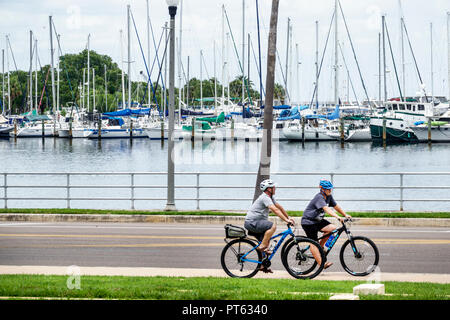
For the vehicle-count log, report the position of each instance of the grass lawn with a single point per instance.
(178, 288)
(221, 213)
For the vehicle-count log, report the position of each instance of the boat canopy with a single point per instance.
(201, 125)
(128, 112)
(219, 119)
(292, 114)
(34, 116)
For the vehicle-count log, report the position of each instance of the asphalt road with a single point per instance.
(402, 250)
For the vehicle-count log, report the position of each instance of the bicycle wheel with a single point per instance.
(231, 258)
(299, 260)
(361, 260)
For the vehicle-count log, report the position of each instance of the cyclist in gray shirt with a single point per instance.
(257, 218)
(313, 217)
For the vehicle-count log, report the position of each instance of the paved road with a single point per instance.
(403, 250)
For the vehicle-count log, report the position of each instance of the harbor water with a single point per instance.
(319, 160)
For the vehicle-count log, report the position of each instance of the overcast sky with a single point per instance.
(202, 25)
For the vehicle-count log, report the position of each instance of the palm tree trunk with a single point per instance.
(266, 150)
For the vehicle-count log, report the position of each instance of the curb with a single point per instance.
(195, 219)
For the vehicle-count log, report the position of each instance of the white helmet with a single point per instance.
(267, 184)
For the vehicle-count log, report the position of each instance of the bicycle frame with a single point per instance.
(339, 231)
(283, 235)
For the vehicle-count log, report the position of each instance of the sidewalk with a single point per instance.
(181, 272)
(198, 219)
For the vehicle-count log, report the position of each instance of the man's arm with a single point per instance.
(341, 211)
(280, 212)
(332, 213)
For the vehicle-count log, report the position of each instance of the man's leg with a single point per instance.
(267, 235)
(326, 233)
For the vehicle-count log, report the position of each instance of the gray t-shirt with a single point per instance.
(314, 212)
(260, 208)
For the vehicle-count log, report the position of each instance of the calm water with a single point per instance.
(144, 155)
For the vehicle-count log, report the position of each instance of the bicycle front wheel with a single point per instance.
(361, 258)
(231, 258)
(299, 261)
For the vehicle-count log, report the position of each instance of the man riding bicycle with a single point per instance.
(257, 218)
(313, 217)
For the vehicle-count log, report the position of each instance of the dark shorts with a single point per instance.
(258, 226)
(311, 230)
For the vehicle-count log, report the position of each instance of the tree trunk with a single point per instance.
(266, 150)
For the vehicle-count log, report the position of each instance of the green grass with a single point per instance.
(168, 288)
(394, 214)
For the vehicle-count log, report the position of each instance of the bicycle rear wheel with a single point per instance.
(360, 260)
(231, 260)
(299, 260)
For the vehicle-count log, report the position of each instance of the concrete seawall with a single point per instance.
(198, 219)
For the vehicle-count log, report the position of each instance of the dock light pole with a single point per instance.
(170, 206)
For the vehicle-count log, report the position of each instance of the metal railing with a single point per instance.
(397, 189)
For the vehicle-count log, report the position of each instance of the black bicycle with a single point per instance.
(241, 259)
(359, 255)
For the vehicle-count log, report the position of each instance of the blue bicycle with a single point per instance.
(241, 259)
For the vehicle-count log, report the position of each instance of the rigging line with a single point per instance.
(257, 68)
(354, 53)
(145, 63)
(156, 52)
(64, 67)
(393, 61)
(414, 57)
(237, 55)
(261, 88)
(323, 56)
(346, 67)
(153, 65)
(281, 68)
(207, 73)
(15, 65)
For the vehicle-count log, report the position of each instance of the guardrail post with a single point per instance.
(68, 190)
(5, 188)
(401, 191)
(198, 191)
(132, 191)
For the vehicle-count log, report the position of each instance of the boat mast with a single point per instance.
(384, 56)
(201, 80)
(123, 75)
(402, 47)
(379, 67)
(298, 71)
(215, 81)
(223, 55)
(129, 57)
(8, 74)
(88, 70)
(3, 81)
(106, 91)
(448, 48)
(57, 78)
(243, 51)
(317, 64)
(148, 53)
(180, 63)
(36, 75)
(431, 61)
(336, 55)
(53, 75)
(31, 71)
(287, 57)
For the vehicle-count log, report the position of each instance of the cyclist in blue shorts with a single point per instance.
(313, 217)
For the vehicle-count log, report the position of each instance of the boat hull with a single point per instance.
(396, 131)
(438, 134)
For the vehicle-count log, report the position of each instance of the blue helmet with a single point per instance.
(325, 184)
